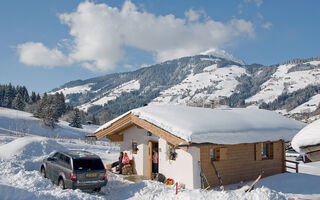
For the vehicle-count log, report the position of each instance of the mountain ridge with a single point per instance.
(193, 79)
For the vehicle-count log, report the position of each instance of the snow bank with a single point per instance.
(309, 135)
(28, 147)
(292, 183)
(221, 126)
(30, 151)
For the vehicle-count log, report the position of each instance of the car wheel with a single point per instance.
(43, 172)
(97, 190)
(61, 183)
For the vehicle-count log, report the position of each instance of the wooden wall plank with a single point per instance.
(240, 164)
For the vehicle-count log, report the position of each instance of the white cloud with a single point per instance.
(267, 25)
(193, 15)
(36, 54)
(100, 32)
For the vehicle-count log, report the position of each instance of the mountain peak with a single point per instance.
(222, 54)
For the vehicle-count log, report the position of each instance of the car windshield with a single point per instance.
(87, 164)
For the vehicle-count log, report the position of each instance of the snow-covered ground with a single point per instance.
(23, 123)
(20, 159)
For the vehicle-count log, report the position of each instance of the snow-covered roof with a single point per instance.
(220, 126)
(309, 135)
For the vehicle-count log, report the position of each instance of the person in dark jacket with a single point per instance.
(117, 162)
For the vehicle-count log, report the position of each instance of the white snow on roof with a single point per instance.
(309, 135)
(220, 126)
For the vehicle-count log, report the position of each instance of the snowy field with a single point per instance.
(21, 157)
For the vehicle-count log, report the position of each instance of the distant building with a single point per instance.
(307, 141)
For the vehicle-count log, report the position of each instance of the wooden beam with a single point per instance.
(157, 131)
(130, 120)
(115, 138)
(119, 125)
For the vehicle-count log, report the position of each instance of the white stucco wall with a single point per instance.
(134, 134)
(185, 169)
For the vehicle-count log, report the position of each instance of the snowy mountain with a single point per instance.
(214, 78)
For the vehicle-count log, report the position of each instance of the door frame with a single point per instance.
(150, 142)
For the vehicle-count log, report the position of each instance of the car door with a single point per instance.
(49, 165)
(55, 167)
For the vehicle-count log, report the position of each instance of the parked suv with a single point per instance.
(75, 169)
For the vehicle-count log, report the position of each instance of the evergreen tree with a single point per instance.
(75, 119)
(60, 102)
(9, 96)
(38, 97)
(18, 102)
(2, 93)
(47, 110)
(33, 97)
(25, 94)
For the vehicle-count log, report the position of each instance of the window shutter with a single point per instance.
(258, 151)
(271, 151)
(223, 153)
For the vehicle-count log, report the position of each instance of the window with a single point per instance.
(65, 161)
(56, 156)
(215, 154)
(87, 164)
(266, 151)
(172, 152)
(134, 147)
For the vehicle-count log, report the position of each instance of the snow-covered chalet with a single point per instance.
(307, 141)
(198, 145)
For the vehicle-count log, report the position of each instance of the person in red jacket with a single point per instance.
(125, 161)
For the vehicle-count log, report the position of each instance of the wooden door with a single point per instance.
(150, 159)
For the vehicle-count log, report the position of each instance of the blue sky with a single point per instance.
(45, 43)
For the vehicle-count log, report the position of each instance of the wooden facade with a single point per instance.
(240, 162)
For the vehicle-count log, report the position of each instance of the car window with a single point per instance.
(87, 164)
(65, 161)
(56, 156)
